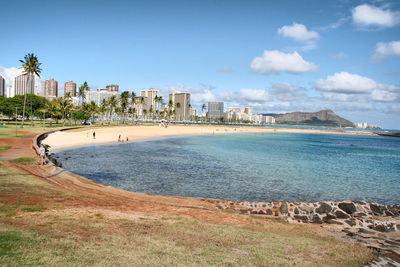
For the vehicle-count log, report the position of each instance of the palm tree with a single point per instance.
(124, 102)
(92, 109)
(65, 104)
(112, 102)
(203, 107)
(103, 109)
(141, 104)
(190, 111)
(82, 91)
(31, 66)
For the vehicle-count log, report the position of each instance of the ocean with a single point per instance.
(248, 167)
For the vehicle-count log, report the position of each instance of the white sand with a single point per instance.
(104, 135)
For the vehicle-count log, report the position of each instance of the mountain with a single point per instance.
(322, 117)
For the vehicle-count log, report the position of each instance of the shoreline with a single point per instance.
(108, 135)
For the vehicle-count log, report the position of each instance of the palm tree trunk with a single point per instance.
(31, 110)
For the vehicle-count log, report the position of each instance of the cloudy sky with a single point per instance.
(276, 56)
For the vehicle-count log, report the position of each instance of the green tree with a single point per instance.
(31, 67)
(124, 102)
(103, 109)
(65, 105)
(83, 89)
(112, 103)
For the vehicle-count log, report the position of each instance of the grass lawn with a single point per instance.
(4, 148)
(38, 228)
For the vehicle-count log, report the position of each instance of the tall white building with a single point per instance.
(98, 96)
(150, 102)
(24, 84)
(215, 109)
(10, 91)
(2, 86)
(182, 111)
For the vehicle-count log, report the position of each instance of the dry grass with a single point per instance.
(52, 234)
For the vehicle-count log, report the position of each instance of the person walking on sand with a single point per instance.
(42, 155)
(119, 138)
(94, 135)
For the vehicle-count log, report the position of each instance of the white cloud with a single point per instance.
(346, 83)
(273, 62)
(384, 96)
(9, 73)
(287, 91)
(366, 15)
(340, 56)
(300, 33)
(197, 95)
(246, 96)
(383, 50)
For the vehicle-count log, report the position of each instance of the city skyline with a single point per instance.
(341, 55)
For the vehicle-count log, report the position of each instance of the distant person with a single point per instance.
(42, 155)
(94, 135)
(119, 138)
(127, 139)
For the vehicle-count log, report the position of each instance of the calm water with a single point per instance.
(253, 167)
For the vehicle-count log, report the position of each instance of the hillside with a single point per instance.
(322, 117)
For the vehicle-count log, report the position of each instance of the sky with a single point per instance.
(275, 56)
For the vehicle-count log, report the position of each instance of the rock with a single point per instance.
(359, 214)
(365, 231)
(323, 208)
(284, 208)
(351, 222)
(302, 218)
(268, 212)
(375, 208)
(349, 208)
(254, 212)
(307, 210)
(316, 219)
(380, 228)
(334, 222)
(296, 211)
(328, 217)
(341, 215)
(244, 211)
(388, 213)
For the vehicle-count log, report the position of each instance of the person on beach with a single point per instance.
(119, 138)
(94, 135)
(42, 155)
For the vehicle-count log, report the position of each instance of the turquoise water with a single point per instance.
(251, 167)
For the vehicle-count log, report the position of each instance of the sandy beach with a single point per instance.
(81, 137)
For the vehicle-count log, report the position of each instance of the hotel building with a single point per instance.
(113, 88)
(70, 87)
(149, 99)
(215, 110)
(50, 89)
(2, 86)
(183, 111)
(98, 96)
(24, 84)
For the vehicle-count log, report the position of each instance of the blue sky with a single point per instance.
(276, 56)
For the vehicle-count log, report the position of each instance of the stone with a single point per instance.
(375, 208)
(334, 222)
(351, 222)
(284, 208)
(268, 212)
(380, 228)
(359, 214)
(296, 211)
(254, 212)
(349, 208)
(323, 208)
(328, 217)
(307, 210)
(302, 218)
(388, 213)
(262, 212)
(365, 231)
(341, 215)
(316, 219)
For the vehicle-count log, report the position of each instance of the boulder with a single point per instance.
(375, 208)
(316, 219)
(284, 208)
(352, 222)
(328, 217)
(380, 228)
(268, 212)
(323, 208)
(341, 215)
(296, 211)
(302, 218)
(349, 208)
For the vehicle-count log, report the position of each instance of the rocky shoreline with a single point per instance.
(373, 224)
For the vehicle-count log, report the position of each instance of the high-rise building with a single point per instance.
(98, 96)
(113, 88)
(50, 88)
(10, 91)
(181, 102)
(2, 86)
(150, 102)
(70, 87)
(24, 84)
(215, 109)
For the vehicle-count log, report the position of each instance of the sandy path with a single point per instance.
(104, 135)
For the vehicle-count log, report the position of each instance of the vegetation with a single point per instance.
(41, 224)
(4, 148)
(25, 160)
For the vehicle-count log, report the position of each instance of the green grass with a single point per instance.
(36, 230)
(4, 148)
(25, 160)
